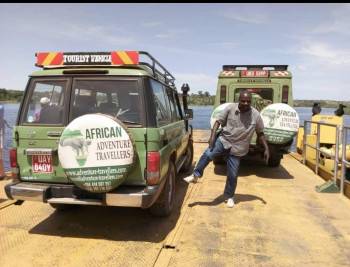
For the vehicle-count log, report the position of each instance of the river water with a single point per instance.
(201, 120)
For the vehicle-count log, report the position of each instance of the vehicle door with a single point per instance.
(121, 98)
(166, 138)
(43, 114)
(179, 130)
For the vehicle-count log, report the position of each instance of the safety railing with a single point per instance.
(2, 138)
(340, 137)
(344, 162)
(3, 125)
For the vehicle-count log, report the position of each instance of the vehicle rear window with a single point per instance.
(46, 104)
(118, 98)
(261, 97)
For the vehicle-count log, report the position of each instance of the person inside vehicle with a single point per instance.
(238, 121)
(44, 106)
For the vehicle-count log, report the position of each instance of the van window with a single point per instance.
(46, 105)
(118, 98)
(175, 115)
(261, 97)
(163, 113)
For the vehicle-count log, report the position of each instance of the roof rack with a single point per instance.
(163, 72)
(254, 67)
(66, 60)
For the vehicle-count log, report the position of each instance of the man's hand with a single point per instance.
(266, 147)
(266, 155)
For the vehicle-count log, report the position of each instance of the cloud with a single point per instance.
(197, 82)
(93, 33)
(325, 53)
(151, 24)
(73, 30)
(164, 35)
(171, 34)
(246, 16)
(338, 22)
(229, 45)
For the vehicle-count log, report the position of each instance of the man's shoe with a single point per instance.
(191, 179)
(230, 202)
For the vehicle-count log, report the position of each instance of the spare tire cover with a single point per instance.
(96, 152)
(281, 123)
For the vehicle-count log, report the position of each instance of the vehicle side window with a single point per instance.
(47, 103)
(163, 113)
(174, 111)
(178, 107)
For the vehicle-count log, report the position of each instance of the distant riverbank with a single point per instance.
(199, 99)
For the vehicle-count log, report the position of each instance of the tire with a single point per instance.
(189, 158)
(61, 207)
(274, 160)
(219, 160)
(165, 202)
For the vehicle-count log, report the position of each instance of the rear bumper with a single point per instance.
(123, 196)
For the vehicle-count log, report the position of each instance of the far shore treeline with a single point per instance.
(8, 95)
(199, 99)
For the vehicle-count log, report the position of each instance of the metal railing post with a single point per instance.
(2, 139)
(317, 148)
(336, 159)
(343, 159)
(304, 143)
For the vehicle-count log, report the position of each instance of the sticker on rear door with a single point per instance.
(96, 152)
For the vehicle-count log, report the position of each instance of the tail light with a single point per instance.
(223, 94)
(13, 158)
(285, 92)
(153, 167)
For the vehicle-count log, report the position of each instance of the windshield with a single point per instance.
(46, 104)
(118, 98)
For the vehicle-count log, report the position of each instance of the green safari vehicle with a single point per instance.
(101, 128)
(268, 84)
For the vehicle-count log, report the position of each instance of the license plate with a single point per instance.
(42, 163)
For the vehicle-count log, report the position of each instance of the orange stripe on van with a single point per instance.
(125, 58)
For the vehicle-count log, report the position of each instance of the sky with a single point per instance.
(192, 41)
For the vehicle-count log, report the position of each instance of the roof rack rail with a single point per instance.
(163, 72)
(254, 67)
(56, 60)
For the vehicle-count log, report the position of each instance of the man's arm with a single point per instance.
(262, 140)
(213, 135)
(260, 132)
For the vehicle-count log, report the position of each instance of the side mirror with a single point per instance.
(188, 114)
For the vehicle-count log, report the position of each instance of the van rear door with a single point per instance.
(43, 114)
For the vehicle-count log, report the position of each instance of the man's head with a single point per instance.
(245, 99)
(44, 101)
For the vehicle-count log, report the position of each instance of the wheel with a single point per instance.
(219, 160)
(189, 157)
(274, 160)
(61, 207)
(165, 202)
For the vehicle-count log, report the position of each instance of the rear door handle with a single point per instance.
(54, 134)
